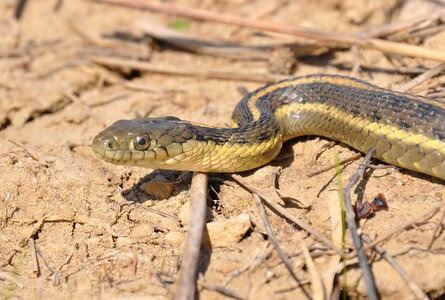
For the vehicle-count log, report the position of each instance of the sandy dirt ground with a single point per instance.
(96, 235)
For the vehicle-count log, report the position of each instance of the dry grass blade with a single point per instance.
(184, 71)
(423, 77)
(350, 217)
(337, 233)
(189, 263)
(286, 214)
(199, 45)
(287, 262)
(20, 8)
(437, 230)
(35, 261)
(318, 289)
(343, 162)
(161, 213)
(319, 35)
(387, 29)
(222, 290)
(11, 277)
(389, 69)
(256, 262)
(263, 13)
(32, 153)
(428, 214)
(426, 32)
(417, 291)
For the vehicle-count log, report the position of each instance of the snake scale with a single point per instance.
(406, 130)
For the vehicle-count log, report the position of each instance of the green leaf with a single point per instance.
(180, 24)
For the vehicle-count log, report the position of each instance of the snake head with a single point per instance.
(148, 142)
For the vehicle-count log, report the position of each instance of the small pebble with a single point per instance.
(225, 233)
(184, 213)
(142, 231)
(123, 241)
(174, 238)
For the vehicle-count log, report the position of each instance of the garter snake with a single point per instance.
(406, 130)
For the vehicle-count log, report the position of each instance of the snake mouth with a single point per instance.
(99, 151)
(112, 151)
(143, 142)
(117, 150)
(101, 145)
(111, 148)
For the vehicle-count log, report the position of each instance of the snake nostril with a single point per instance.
(107, 145)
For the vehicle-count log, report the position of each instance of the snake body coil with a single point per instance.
(406, 130)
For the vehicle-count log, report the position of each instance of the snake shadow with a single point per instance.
(181, 180)
(181, 183)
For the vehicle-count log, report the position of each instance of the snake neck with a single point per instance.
(244, 147)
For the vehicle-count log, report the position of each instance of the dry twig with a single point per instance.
(417, 291)
(184, 71)
(303, 225)
(350, 217)
(32, 153)
(331, 269)
(428, 214)
(221, 289)
(11, 277)
(437, 230)
(35, 261)
(341, 163)
(287, 262)
(417, 30)
(254, 264)
(388, 29)
(161, 213)
(195, 44)
(318, 289)
(423, 77)
(389, 69)
(189, 265)
(318, 35)
(20, 8)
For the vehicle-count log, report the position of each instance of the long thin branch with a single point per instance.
(184, 71)
(303, 225)
(414, 287)
(287, 262)
(222, 290)
(387, 29)
(190, 259)
(350, 217)
(423, 77)
(341, 163)
(314, 34)
(196, 44)
(436, 232)
(428, 214)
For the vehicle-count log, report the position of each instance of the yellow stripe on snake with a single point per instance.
(405, 130)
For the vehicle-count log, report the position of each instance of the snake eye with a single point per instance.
(141, 143)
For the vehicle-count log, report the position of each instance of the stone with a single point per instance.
(142, 231)
(225, 233)
(174, 238)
